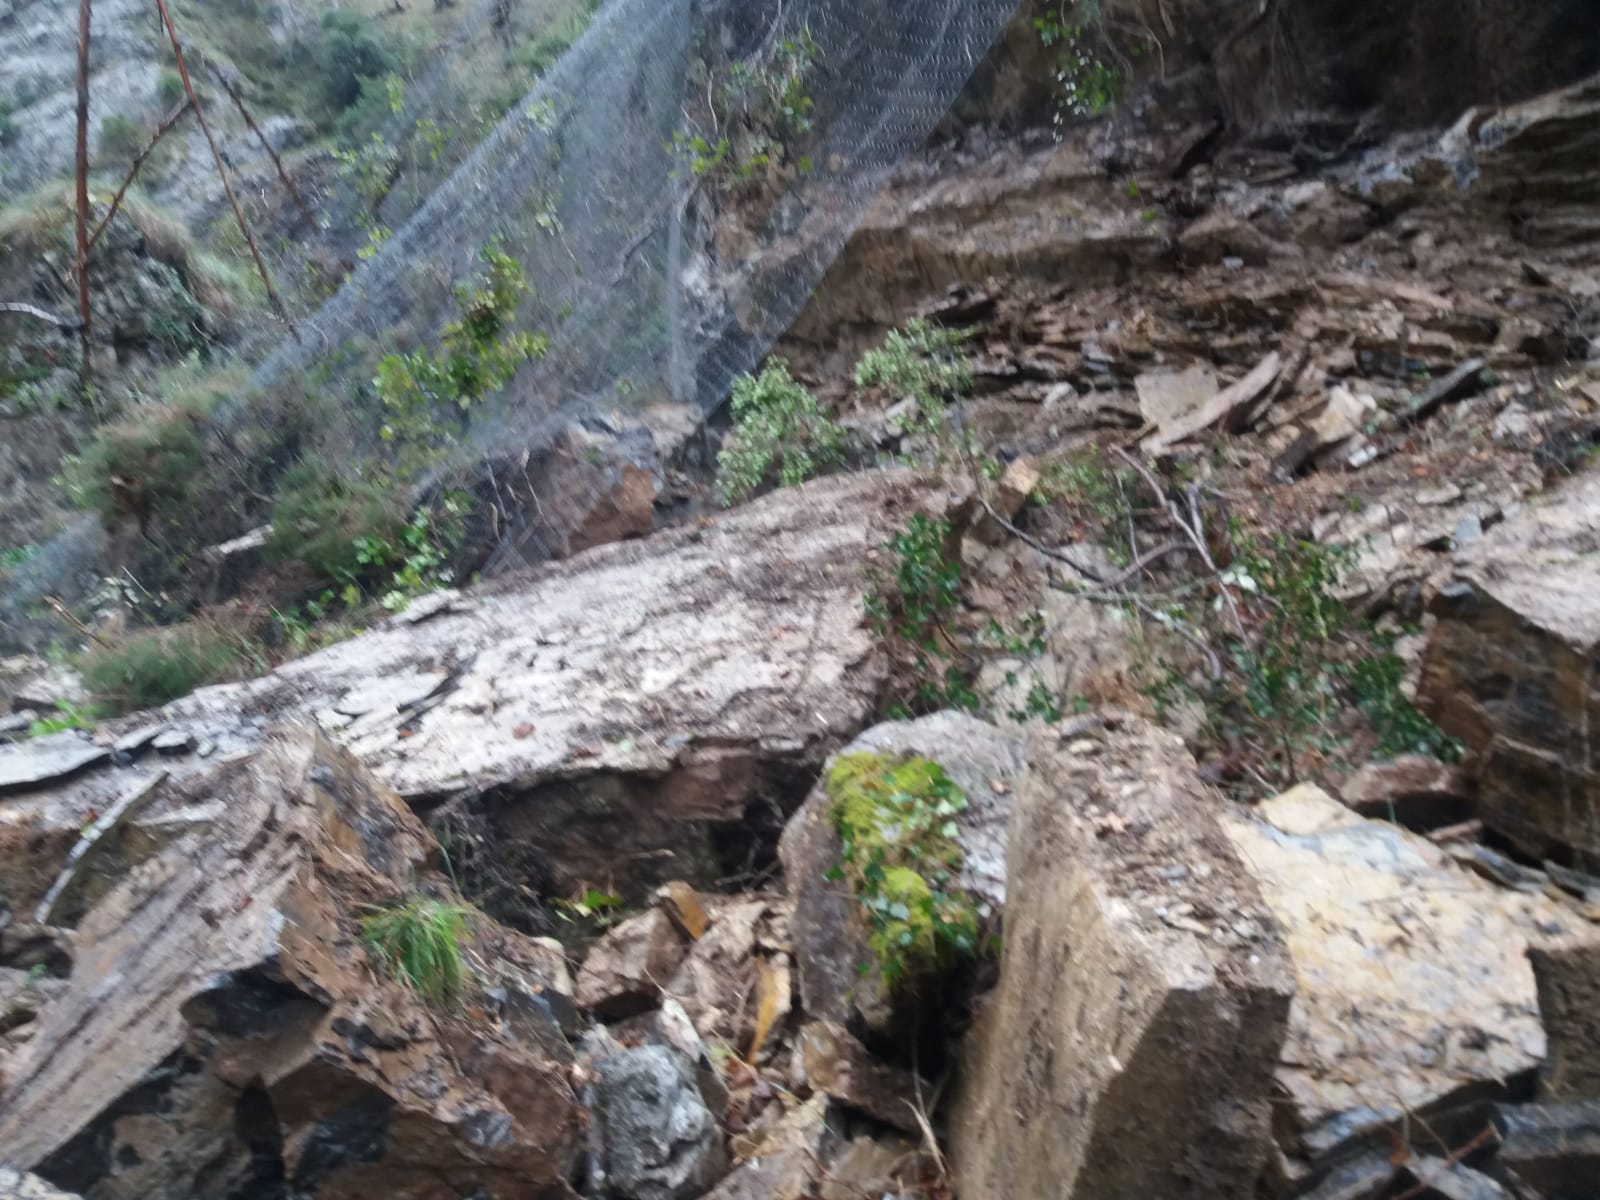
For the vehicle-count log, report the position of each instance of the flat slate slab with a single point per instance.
(44, 760)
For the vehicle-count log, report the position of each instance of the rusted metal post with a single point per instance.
(83, 184)
(167, 123)
(283, 175)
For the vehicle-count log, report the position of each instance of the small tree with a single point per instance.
(776, 422)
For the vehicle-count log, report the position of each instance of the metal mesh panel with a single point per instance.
(650, 284)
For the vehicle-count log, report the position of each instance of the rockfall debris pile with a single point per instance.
(719, 931)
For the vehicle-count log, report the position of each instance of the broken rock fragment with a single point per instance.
(1513, 670)
(1567, 975)
(226, 987)
(1413, 986)
(1129, 1047)
(624, 972)
(657, 1139)
(840, 1067)
(40, 761)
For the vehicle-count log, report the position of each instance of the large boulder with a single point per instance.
(1414, 993)
(615, 715)
(1129, 1047)
(1513, 670)
(226, 1032)
(840, 977)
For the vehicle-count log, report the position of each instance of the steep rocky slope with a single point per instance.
(1124, 933)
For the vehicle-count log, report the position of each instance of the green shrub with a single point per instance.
(149, 668)
(901, 858)
(331, 524)
(349, 51)
(925, 364)
(169, 88)
(1302, 674)
(68, 716)
(420, 941)
(149, 464)
(765, 110)
(775, 421)
(911, 609)
(426, 394)
(120, 140)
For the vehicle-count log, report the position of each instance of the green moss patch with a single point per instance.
(901, 858)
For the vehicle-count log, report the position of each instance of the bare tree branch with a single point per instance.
(283, 175)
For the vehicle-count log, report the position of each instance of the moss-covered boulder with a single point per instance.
(896, 864)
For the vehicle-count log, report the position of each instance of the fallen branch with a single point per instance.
(1166, 620)
(1193, 529)
(1453, 386)
(70, 324)
(81, 216)
(90, 839)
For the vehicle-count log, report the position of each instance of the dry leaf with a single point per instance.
(683, 906)
(524, 730)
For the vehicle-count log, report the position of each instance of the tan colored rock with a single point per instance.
(1017, 483)
(839, 977)
(733, 970)
(1413, 986)
(841, 1068)
(1129, 1046)
(1166, 397)
(783, 1162)
(625, 971)
(1567, 976)
(224, 1025)
(1415, 790)
(1513, 670)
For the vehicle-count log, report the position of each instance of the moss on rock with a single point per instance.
(901, 858)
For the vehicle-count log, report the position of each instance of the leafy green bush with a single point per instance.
(149, 668)
(925, 364)
(120, 140)
(426, 394)
(778, 421)
(333, 524)
(765, 108)
(349, 51)
(1302, 673)
(420, 941)
(169, 87)
(901, 858)
(912, 609)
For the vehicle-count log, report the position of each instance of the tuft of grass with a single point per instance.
(420, 943)
(149, 668)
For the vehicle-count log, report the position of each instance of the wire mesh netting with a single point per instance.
(674, 186)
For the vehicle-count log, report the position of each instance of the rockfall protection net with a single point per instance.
(652, 282)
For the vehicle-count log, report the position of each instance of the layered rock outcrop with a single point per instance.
(226, 1031)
